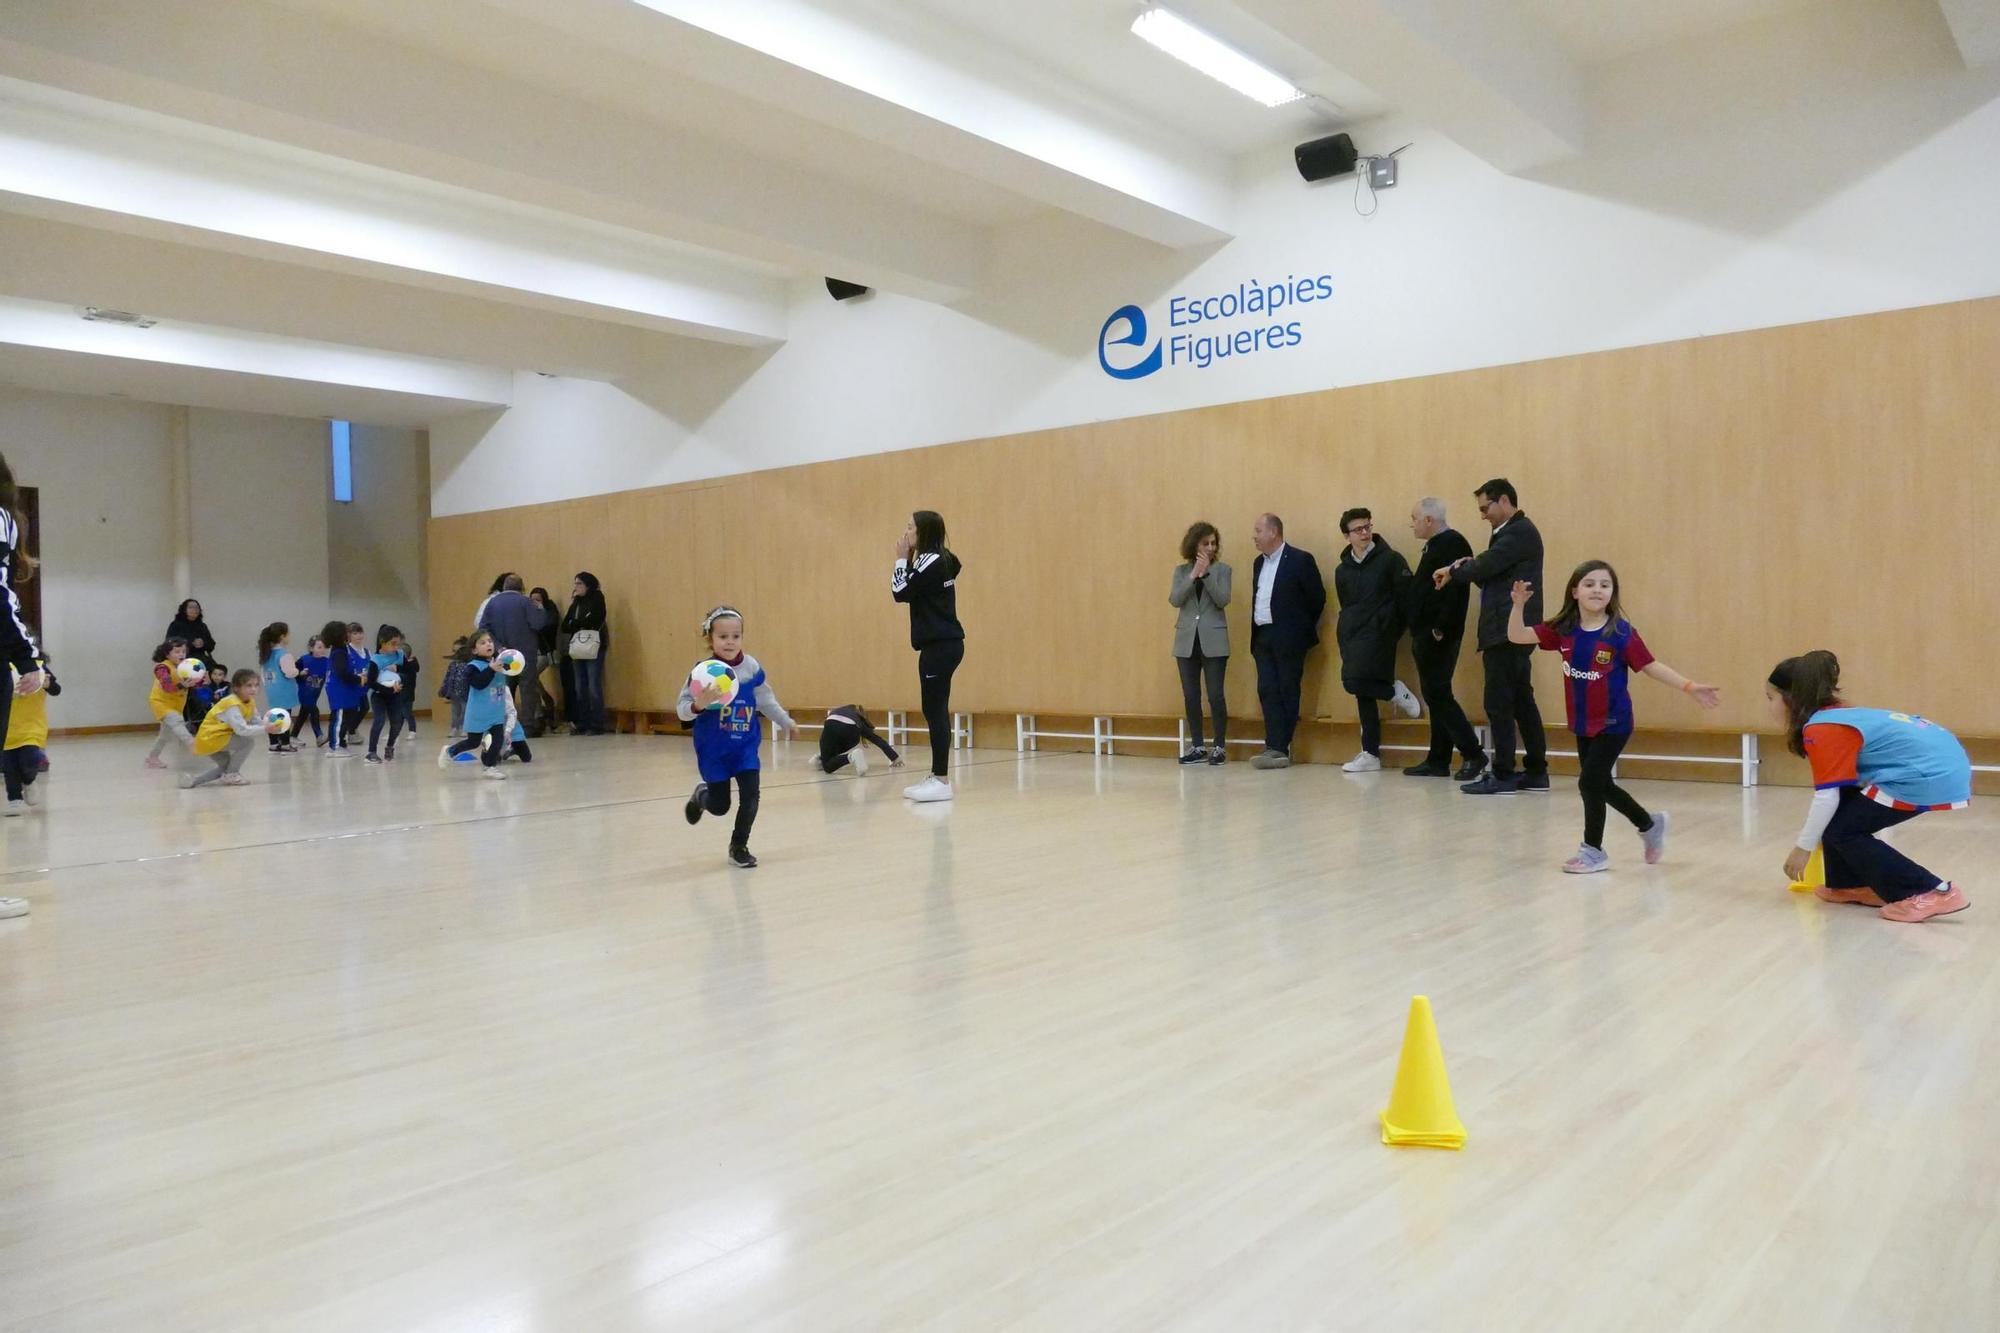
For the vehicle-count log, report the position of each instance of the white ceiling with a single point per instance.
(384, 210)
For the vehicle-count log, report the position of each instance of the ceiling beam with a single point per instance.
(1479, 71)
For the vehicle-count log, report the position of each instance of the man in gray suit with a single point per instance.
(1200, 590)
(514, 621)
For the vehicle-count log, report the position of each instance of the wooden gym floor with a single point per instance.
(1100, 1046)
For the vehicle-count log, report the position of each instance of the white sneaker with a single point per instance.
(859, 758)
(930, 789)
(444, 757)
(495, 773)
(1406, 702)
(1363, 763)
(12, 907)
(234, 780)
(32, 793)
(817, 764)
(15, 809)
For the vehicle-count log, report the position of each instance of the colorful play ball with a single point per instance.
(277, 720)
(510, 662)
(719, 676)
(389, 676)
(190, 672)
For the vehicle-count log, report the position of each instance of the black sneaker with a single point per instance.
(1427, 769)
(1218, 755)
(389, 755)
(1534, 782)
(1492, 786)
(1470, 770)
(696, 801)
(740, 858)
(374, 758)
(1195, 756)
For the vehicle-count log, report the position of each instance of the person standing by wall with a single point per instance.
(516, 622)
(1284, 627)
(1437, 631)
(1371, 583)
(188, 624)
(1200, 589)
(926, 580)
(1513, 555)
(585, 642)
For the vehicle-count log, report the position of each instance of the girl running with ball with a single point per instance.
(726, 734)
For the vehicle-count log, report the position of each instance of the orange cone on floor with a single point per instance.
(1815, 876)
(1420, 1112)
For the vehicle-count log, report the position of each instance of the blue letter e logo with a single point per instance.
(1135, 318)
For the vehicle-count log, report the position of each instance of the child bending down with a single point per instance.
(840, 740)
(228, 736)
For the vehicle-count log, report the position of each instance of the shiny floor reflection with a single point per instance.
(1098, 1046)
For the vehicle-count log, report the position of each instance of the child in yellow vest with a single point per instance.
(27, 738)
(168, 699)
(229, 734)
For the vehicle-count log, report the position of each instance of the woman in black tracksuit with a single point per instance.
(926, 579)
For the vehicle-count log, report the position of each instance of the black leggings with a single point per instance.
(1598, 754)
(22, 765)
(935, 663)
(715, 800)
(1194, 669)
(388, 710)
(1370, 712)
(491, 744)
(303, 715)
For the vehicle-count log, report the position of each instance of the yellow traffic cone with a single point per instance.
(1815, 875)
(1420, 1112)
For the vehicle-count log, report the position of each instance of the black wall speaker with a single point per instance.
(847, 291)
(1331, 156)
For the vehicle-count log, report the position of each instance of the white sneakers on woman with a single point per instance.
(1406, 702)
(932, 788)
(1363, 763)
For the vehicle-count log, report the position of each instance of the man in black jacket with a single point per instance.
(1515, 552)
(1437, 629)
(1288, 596)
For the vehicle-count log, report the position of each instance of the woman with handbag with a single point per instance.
(585, 639)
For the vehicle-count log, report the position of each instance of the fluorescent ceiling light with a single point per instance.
(1225, 64)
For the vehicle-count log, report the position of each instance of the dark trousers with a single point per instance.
(1370, 713)
(389, 709)
(1279, 678)
(935, 663)
(1449, 725)
(305, 715)
(491, 744)
(715, 800)
(1856, 858)
(20, 765)
(583, 683)
(836, 739)
(1598, 755)
(1510, 704)
(1194, 669)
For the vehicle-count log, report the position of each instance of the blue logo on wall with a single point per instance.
(1135, 335)
(1252, 306)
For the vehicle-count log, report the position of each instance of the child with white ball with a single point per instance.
(489, 708)
(723, 707)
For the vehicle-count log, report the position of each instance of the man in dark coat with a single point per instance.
(1371, 583)
(1288, 597)
(514, 621)
(1514, 553)
(1437, 630)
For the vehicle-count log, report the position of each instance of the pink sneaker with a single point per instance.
(1924, 906)
(154, 761)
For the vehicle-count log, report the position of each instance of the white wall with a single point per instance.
(259, 499)
(265, 535)
(1749, 181)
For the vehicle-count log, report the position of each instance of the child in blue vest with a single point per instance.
(313, 670)
(386, 685)
(281, 681)
(348, 671)
(489, 712)
(1872, 770)
(726, 736)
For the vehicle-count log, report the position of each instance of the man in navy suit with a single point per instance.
(1288, 599)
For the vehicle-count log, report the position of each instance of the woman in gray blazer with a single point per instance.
(1201, 636)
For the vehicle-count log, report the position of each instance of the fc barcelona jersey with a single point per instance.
(1596, 664)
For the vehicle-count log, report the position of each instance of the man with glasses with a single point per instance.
(1514, 553)
(1437, 630)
